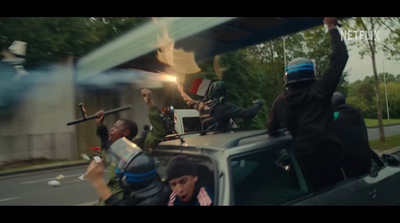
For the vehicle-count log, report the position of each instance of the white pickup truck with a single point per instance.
(187, 121)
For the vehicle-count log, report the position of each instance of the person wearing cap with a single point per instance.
(305, 110)
(216, 113)
(352, 131)
(185, 185)
(136, 174)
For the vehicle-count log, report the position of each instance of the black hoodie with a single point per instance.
(305, 109)
(352, 130)
(215, 113)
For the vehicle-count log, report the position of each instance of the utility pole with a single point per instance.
(384, 80)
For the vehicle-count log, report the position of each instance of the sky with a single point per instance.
(359, 68)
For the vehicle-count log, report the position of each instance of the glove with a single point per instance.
(258, 101)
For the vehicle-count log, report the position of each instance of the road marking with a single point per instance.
(10, 198)
(35, 181)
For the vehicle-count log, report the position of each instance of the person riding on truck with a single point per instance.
(216, 113)
(119, 130)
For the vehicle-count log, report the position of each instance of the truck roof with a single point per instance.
(224, 141)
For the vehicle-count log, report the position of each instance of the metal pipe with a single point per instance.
(115, 110)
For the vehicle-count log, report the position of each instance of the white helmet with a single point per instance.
(15, 53)
(18, 48)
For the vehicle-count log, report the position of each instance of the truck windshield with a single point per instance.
(191, 124)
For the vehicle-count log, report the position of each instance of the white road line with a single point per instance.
(47, 179)
(10, 198)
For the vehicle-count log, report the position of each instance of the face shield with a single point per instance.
(121, 152)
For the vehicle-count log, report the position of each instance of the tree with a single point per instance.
(369, 47)
(51, 39)
(391, 43)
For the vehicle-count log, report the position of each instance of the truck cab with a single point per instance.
(187, 121)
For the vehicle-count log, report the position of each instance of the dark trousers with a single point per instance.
(357, 166)
(323, 169)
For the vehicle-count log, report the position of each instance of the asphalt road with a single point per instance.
(373, 133)
(33, 188)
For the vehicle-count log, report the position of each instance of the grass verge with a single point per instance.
(374, 122)
(390, 142)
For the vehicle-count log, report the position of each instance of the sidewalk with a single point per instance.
(390, 151)
(44, 167)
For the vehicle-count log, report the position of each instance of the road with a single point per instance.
(33, 188)
(373, 133)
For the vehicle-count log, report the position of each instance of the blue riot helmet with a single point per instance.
(299, 70)
(135, 170)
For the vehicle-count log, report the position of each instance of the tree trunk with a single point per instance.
(378, 99)
(372, 46)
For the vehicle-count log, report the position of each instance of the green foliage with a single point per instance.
(371, 25)
(374, 122)
(51, 39)
(361, 94)
(391, 43)
(393, 97)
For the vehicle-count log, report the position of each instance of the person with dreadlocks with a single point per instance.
(216, 113)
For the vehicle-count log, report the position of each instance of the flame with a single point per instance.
(165, 54)
(179, 61)
(169, 78)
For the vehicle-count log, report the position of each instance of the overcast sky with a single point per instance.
(358, 68)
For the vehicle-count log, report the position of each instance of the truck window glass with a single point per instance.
(191, 124)
(270, 177)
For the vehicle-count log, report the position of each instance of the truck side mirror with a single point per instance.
(390, 160)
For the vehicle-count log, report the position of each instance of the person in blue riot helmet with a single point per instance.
(305, 110)
(136, 173)
(300, 70)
